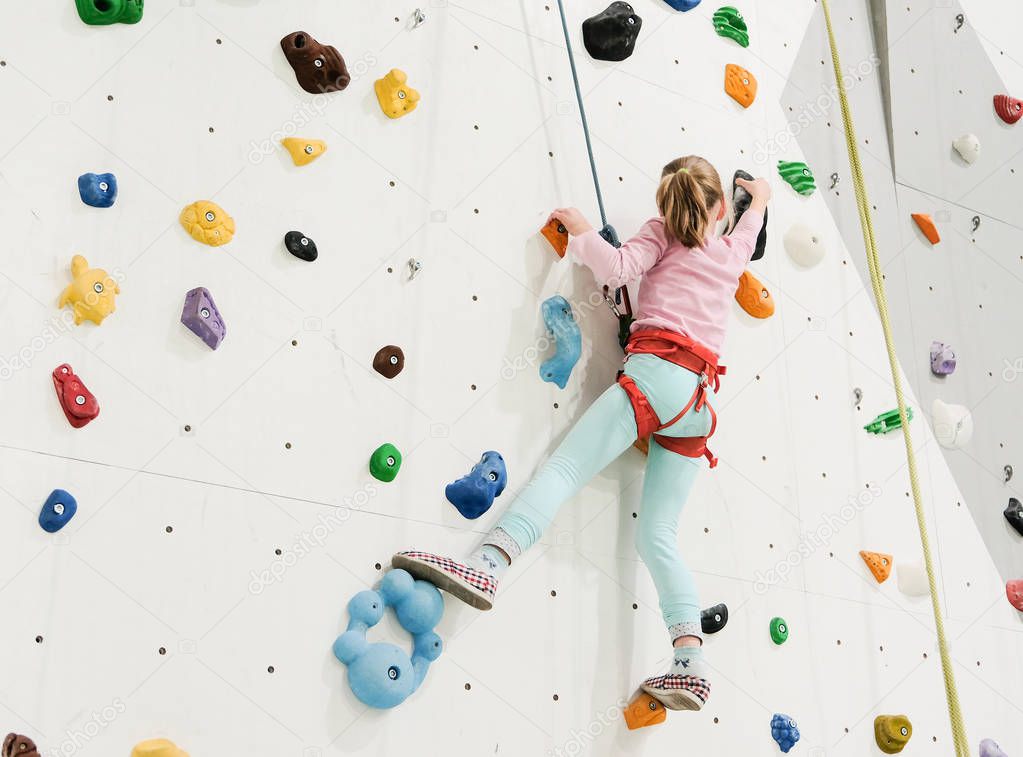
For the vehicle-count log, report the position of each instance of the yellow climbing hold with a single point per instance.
(91, 292)
(304, 151)
(208, 223)
(396, 98)
(892, 733)
(157, 748)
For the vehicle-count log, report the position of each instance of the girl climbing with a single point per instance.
(689, 279)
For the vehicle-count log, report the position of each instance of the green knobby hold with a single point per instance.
(889, 421)
(799, 176)
(779, 630)
(385, 462)
(728, 22)
(106, 12)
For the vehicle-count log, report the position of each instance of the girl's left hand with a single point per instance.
(572, 219)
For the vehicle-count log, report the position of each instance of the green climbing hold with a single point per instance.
(779, 630)
(799, 176)
(105, 12)
(889, 421)
(385, 462)
(728, 22)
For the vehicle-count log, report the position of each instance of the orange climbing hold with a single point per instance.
(753, 296)
(740, 85)
(557, 235)
(644, 710)
(880, 564)
(927, 226)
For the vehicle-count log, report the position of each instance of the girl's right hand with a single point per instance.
(759, 189)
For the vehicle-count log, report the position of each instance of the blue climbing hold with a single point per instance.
(474, 493)
(784, 731)
(609, 235)
(59, 508)
(98, 190)
(683, 5)
(561, 325)
(383, 675)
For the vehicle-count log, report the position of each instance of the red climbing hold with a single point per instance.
(880, 564)
(927, 226)
(1009, 109)
(1014, 591)
(78, 403)
(556, 234)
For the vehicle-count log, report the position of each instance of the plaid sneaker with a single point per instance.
(677, 692)
(474, 587)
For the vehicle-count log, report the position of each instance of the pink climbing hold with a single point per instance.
(1009, 109)
(1014, 591)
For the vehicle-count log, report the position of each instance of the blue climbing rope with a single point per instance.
(582, 114)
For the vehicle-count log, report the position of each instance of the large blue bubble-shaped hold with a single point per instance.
(560, 321)
(784, 731)
(473, 494)
(59, 508)
(381, 674)
(683, 5)
(98, 190)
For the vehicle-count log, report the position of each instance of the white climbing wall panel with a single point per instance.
(226, 514)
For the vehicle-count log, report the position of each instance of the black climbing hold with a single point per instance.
(741, 200)
(713, 619)
(1014, 514)
(301, 246)
(389, 361)
(611, 35)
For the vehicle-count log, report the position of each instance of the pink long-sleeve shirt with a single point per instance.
(685, 289)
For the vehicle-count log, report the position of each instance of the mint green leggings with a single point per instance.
(605, 430)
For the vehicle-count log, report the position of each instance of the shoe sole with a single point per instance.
(675, 699)
(443, 580)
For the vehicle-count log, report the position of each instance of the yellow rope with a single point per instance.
(870, 243)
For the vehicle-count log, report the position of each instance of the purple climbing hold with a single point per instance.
(202, 317)
(943, 359)
(989, 748)
(784, 731)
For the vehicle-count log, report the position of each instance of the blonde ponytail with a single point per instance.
(689, 188)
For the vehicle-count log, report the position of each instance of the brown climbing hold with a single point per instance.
(880, 564)
(740, 85)
(557, 235)
(389, 361)
(753, 296)
(1009, 109)
(927, 226)
(19, 746)
(644, 710)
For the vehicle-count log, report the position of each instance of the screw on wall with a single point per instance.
(1008, 473)
(960, 20)
(418, 18)
(834, 180)
(976, 222)
(414, 267)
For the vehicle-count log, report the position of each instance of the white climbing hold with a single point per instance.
(912, 578)
(804, 245)
(968, 147)
(953, 424)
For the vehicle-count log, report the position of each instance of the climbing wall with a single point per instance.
(226, 512)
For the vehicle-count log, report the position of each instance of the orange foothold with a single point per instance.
(740, 85)
(880, 564)
(644, 710)
(927, 226)
(753, 296)
(557, 235)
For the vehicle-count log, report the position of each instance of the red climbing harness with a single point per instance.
(691, 355)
